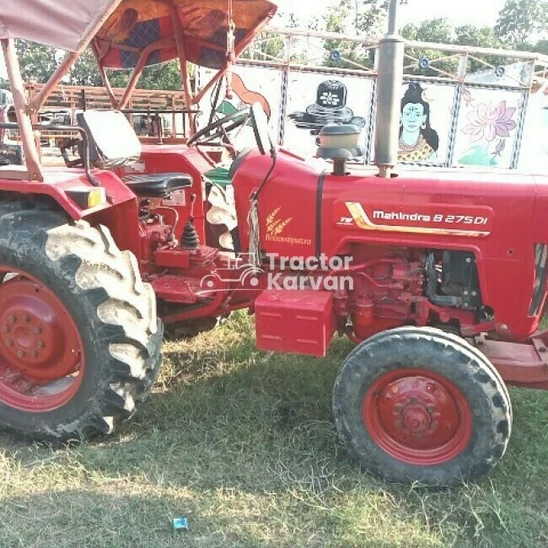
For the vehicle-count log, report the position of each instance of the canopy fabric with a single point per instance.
(64, 25)
(138, 24)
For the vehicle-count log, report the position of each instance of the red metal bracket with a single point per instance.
(520, 364)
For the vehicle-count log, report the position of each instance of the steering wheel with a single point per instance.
(220, 128)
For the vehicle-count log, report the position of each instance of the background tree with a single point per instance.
(437, 30)
(442, 32)
(37, 62)
(520, 25)
(85, 72)
(166, 76)
(484, 37)
(541, 47)
(519, 20)
(354, 18)
(270, 47)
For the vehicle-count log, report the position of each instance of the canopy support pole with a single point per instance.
(181, 52)
(138, 71)
(32, 160)
(231, 57)
(132, 84)
(104, 77)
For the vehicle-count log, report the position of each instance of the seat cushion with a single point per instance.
(157, 185)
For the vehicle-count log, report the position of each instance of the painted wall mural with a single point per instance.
(249, 85)
(441, 124)
(315, 100)
(330, 108)
(419, 141)
(487, 128)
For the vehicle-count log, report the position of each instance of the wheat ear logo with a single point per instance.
(275, 225)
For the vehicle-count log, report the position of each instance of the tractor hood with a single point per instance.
(306, 212)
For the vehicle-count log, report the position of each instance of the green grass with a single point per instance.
(242, 443)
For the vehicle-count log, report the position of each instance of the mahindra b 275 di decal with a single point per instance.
(469, 221)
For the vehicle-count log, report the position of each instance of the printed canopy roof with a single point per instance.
(122, 29)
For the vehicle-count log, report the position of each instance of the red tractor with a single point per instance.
(414, 266)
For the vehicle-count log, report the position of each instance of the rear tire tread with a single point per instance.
(124, 318)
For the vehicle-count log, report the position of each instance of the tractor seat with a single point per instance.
(113, 143)
(157, 185)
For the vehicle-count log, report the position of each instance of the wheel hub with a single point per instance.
(417, 417)
(416, 420)
(36, 332)
(418, 411)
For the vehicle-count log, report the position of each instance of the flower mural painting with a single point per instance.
(489, 126)
(467, 97)
(489, 122)
(499, 149)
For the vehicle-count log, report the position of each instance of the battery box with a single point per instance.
(297, 322)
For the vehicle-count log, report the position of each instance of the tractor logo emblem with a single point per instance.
(275, 226)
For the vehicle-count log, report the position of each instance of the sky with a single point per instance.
(477, 12)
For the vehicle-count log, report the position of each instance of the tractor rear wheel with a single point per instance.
(79, 337)
(419, 405)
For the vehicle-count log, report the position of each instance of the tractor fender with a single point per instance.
(68, 188)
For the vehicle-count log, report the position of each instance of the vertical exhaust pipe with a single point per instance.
(389, 86)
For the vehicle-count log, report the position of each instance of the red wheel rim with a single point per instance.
(41, 352)
(418, 417)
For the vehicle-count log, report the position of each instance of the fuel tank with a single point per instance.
(501, 217)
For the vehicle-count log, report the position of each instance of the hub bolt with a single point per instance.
(12, 319)
(20, 354)
(5, 329)
(9, 343)
(37, 331)
(41, 344)
(26, 319)
(34, 354)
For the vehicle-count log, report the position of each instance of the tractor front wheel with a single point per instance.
(420, 405)
(79, 337)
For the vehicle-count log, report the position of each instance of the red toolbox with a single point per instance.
(299, 322)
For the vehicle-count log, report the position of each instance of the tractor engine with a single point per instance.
(430, 287)
(452, 280)
(384, 295)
